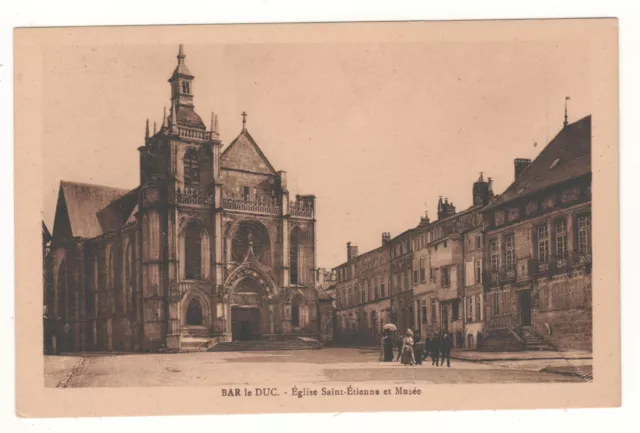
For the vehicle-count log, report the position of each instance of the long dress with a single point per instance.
(387, 344)
(407, 351)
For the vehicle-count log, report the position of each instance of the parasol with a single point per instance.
(390, 327)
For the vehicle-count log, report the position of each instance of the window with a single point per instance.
(423, 270)
(434, 309)
(376, 292)
(478, 271)
(382, 292)
(561, 238)
(584, 234)
(430, 237)
(416, 272)
(478, 242)
(478, 307)
(444, 281)
(445, 244)
(455, 313)
(191, 169)
(362, 294)
(496, 303)
(493, 251)
(509, 252)
(432, 274)
(423, 307)
(185, 87)
(543, 243)
(470, 309)
(193, 252)
(407, 279)
(561, 295)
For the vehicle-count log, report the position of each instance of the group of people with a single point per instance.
(412, 351)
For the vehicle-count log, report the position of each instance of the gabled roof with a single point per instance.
(566, 157)
(79, 206)
(244, 154)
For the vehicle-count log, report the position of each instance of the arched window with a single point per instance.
(62, 290)
(193, 253)
(128, 278)
(255, 233)
(194, 313)
(294, 253)
(191, 169)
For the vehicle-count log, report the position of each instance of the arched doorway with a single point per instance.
(250, 315)
(194, 313)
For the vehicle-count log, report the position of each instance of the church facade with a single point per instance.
(209, 246)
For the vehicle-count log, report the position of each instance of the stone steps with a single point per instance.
(264, 345)
(194, 344)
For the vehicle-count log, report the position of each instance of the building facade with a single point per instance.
(209, 245)
(538, 238)
(362, 292)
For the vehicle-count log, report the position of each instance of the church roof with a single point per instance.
(566, 157)
(81, 207)
(244, 154)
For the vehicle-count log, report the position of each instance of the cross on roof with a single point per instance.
(244, 120)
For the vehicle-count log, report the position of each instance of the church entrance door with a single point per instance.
(245, 323)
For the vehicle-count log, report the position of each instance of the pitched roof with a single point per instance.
(80, 204)
(244, 154)
(566, 157)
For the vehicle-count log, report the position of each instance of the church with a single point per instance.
(209, 246)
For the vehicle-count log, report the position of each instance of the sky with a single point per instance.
(377, 131)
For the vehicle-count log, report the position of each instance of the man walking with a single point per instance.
(435, 350)
(427, 347)
(446, 350)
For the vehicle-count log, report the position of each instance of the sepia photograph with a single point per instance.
(309, 212)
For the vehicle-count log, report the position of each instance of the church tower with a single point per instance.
(179, 165)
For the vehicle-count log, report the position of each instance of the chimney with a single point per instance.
(520, 165)
(386, 238)
(490, 188)
(481, 191)
(352, 251)
(425, 219)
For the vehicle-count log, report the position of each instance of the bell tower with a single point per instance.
(181, 83)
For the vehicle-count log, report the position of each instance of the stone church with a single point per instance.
(209, 246)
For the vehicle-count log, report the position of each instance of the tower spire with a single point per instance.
(566, 118)
(155, 129)
(146, 131)
(181, 55)
(164, 117)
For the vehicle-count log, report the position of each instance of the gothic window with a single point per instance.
(194, 313)
(255, 233)
(584, 234)
(493, 249)
(543, 243)
(193, 252)
(561, 238)
(191, 169)
(62, 290)
(509, 251)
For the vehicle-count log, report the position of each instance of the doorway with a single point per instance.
(524, 307)
(194, 313)
(245, 324)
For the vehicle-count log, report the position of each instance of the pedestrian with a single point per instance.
(399, 345)
(435, 350)
(407, 349)
(387, 343)
(427, 347)
(417, 350)
(446, 350)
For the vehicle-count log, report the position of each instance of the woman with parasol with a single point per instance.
(387, 342)
(407, 349)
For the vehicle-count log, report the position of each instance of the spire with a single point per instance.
(164, 117)
(216, 124)
(181, 55)
(155, 129)
(146, 131)
(213, 122)
(566, 118)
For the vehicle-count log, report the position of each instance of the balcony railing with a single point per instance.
(194, 134)
(505, 321)
(504, 274)
(559, 264)
(194, 196)
(251, 203)
(299, 209)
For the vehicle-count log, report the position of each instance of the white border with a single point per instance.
(119, 12)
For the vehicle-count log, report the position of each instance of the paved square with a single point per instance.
(325, 366)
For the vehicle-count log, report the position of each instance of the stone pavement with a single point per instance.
(475, 356)
(325, 366)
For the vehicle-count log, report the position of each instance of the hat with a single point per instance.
(409, 332)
